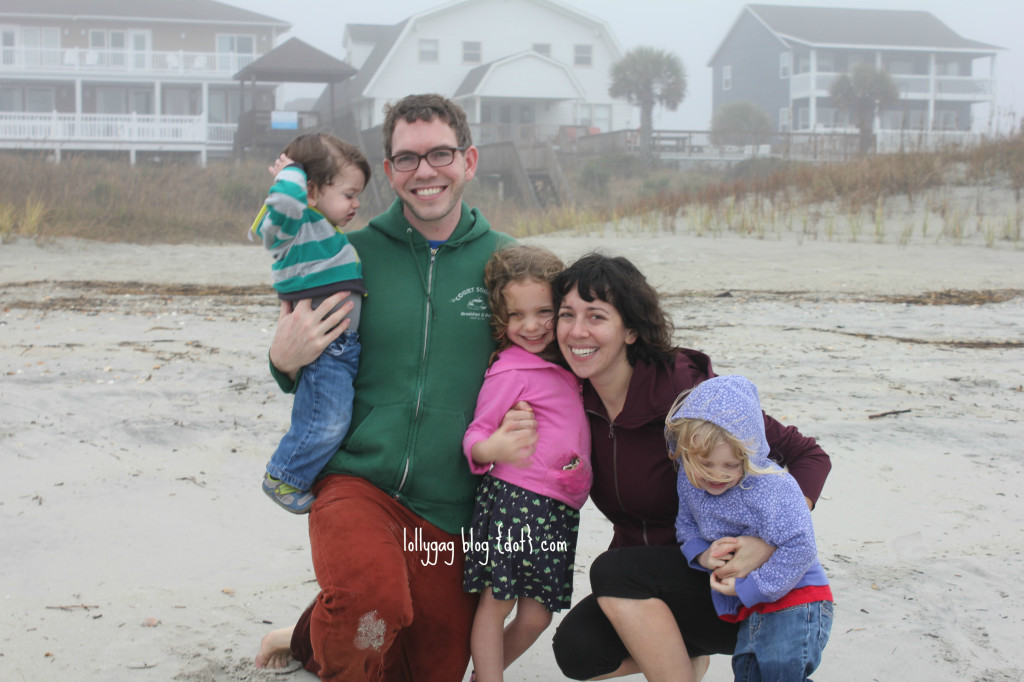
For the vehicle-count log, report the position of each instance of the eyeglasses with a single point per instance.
(437, 158)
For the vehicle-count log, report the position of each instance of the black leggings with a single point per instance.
(585, 643)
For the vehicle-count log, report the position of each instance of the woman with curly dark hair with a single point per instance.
(649, 612)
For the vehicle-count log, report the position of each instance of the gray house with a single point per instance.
(784, 59)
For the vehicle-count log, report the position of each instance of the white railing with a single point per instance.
(909, 87)
(123, 61)
(888, 141)
(113, 128)
(963, 85)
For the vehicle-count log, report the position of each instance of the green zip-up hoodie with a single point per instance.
(426, 338)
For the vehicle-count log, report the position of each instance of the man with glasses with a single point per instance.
(385, 529)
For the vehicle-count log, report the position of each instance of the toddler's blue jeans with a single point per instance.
(321, 414)
(782, 646)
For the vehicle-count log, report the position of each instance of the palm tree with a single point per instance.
(647, 77)
(862, 93)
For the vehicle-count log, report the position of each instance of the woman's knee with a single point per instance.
(571, 650)
(585, 643)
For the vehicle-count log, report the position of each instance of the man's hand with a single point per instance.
(302, 333)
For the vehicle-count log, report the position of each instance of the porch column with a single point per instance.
(814, 89)
(78, 96)
(933, 83)
(158, 91)
(992, 92)
(205, 113)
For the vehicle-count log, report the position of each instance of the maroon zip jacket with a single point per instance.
(635, 481)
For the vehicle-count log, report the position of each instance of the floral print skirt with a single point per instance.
(521, 544)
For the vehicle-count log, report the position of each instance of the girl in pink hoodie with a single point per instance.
(521, 545)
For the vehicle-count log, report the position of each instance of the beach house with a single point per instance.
(784, 59)
(128, 77)
(522, 69)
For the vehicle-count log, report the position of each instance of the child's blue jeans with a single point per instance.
(321, 414)
(783, 645)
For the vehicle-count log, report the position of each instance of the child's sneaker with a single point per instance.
(291, 498)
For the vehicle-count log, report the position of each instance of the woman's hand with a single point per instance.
(741, 554)
(302, 333)
(726, 586)
(514, 441)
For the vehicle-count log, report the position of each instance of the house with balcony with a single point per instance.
(522, 69)
(131, 77)
(784, 59)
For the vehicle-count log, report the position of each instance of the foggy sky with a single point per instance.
(692, 29)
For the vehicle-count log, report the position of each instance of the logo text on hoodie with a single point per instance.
(473, 303)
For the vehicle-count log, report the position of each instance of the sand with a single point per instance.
(138, 415)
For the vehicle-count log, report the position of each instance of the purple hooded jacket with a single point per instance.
(769, 506)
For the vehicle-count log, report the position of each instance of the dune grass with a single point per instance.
(953, 196)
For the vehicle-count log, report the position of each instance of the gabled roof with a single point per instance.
(559, 82)
(367, 33)
(296, 62)
(388, 36)
(863, 28)
(385, 38)
(154, 11)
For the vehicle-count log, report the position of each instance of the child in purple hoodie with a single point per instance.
(522, 542)
(729, 487)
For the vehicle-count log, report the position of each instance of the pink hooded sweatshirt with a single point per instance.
(560, 466)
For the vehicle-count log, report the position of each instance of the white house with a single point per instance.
(522, 69)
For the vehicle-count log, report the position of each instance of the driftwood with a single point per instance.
(886, 414)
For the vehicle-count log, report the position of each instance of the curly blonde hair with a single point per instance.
(517, 263)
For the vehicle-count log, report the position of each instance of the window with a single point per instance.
(785, 64)
(140, 101)
(110, 101)
(472, 52)
(803, 118)
(727, 78)
(179, 101)
(583, 55)
(429, 50)
(42, 46)
(242, 45)
(859, 58)
(8, 41)
(227, 105)
(784, 120)
(901, 67)
(947, 120)
(40, 100)
(950, 67)
(32, 99)
(542, 48)
(803, 62)
(236, 44)
(826, 61)
(595, 116)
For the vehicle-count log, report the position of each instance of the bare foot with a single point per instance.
(275, 649)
